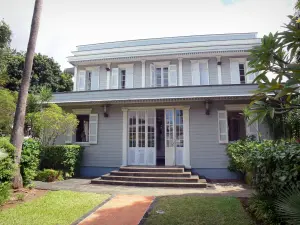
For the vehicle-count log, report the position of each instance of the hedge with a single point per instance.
(7, 164)
(66, 158)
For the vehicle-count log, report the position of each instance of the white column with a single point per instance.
(219, 70)
(180, 77)
(125, 137)
(108, 76)
(75, 79)
(143, 73)
(186, 130)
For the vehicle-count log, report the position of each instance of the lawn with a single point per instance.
(198, 210)
(56, 207)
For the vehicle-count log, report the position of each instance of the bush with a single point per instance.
(4, 192)
(30, 160)
(49, 175)
(7, 164)
(66, 158)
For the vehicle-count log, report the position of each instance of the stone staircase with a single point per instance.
(152, 177)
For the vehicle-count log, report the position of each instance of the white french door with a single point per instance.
(142, 137)
(174, 137)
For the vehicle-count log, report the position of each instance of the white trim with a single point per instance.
(186, 144)
(91, 68)
(75, 78)
(162, 63)
(240, 60)
(235, 107)
(82, 111)
(180, 72)
(144, 73)
(219, 68)
(124, 66)
(108, 76)
(125, 137)
(183, 107)
(226, 126)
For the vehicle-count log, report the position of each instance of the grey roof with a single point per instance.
(168, 40)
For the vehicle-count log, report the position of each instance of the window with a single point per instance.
(242, 73)
(161, 76)
(89, 80)
(82, 130)
(236, 125)
(123, 78)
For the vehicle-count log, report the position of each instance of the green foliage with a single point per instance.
(52, 122)
(46, 72)
(287, 206)
(5, 35)
(4, 192)
(7, 164)
(7, 110)
(5, 39)
(20, 197)
(66, 158)
(49, 175)
(30, 160)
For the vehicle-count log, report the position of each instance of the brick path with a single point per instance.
(121, 210)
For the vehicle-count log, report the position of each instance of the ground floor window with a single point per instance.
(82, 130)
(236, 125)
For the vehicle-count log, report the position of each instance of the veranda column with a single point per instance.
(75, 79)
(186, 131)
(180, 75)
(143, 73)
(125, 137)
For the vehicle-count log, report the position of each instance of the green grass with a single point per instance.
(198, 210)
(57, 207)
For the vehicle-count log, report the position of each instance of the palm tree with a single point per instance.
(17, 135)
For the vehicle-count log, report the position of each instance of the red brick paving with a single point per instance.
(121, 210)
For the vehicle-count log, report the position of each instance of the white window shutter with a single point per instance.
(93, 128)
(223, 127)
(172, 79)
(95, 79)
(249, 77)
(195, 73)
(68, 137)
(252, 130)
(152, 75)
(234, 72)
(114, 78)
(204, 74)
(81, 80)
(129, 77)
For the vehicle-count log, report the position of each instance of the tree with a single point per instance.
(278, 55)
(17, 136)
(7, 110)
(45, 72)
(5, 39)
(52, 122)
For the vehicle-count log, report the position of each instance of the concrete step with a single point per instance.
(152, 169)
(150, 174)
(200, 184)
(192, 179)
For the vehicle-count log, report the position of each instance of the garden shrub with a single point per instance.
(4, 192)
(30, 160)
(66, 158)
(49, 175)
(7, 164)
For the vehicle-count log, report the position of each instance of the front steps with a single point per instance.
(152, 177)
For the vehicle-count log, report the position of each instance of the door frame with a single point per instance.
(186, 121)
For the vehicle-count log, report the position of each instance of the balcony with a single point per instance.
(165, 94)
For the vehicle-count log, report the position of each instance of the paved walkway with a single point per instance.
(121, 210)
(220, 189)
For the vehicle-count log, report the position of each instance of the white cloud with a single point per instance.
(68, 23)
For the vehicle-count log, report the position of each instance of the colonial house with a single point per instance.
(174, 101)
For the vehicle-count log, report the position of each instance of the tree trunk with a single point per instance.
(17, 135)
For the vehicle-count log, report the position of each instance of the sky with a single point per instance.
(68, 23)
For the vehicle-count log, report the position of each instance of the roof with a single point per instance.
(168, 40)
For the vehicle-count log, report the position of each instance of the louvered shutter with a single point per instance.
(234, 72)
(129, 77)
(249, 77)
(223, 127)
(172, 75)
(152, 75)
(95, 79)
(204, 74)
(195, 70)
(114, 78)
(81, 80)
(93, 128)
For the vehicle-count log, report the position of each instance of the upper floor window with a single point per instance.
(88, 79)
(239, 71)
(163, 74)
(242, 73)
(122, 77)
(200, 72)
